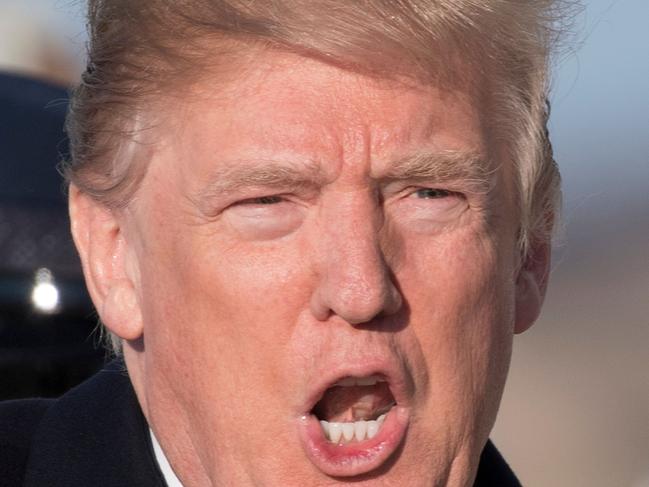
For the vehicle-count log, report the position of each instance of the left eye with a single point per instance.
(263, 200)
(432, 193)
(427, 210)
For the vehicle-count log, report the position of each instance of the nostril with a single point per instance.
(320, 308)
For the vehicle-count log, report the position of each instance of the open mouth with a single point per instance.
(355, 423)
(354, 409)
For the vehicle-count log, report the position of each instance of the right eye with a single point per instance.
(264, 217)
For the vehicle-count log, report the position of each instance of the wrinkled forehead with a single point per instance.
(323, 96)
(290, 111)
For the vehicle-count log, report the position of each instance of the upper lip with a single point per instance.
(398, 380)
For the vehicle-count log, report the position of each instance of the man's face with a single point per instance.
(311, 244)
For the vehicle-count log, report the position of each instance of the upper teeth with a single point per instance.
(370, 380)
(358, 430)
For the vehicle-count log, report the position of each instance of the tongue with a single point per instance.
(347, 404)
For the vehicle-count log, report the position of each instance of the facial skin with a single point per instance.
(305, 225)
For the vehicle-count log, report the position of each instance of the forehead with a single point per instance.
(283, 106)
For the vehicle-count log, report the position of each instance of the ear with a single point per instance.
(531, 284)
(99, 237)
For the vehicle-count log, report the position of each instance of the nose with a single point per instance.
(355, 281)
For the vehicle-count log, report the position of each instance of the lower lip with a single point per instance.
(354, 458)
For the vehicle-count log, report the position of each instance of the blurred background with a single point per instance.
(576, 408)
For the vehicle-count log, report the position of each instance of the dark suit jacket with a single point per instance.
(96, 436)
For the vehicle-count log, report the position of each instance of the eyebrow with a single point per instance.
(235, 175)
(468, 168)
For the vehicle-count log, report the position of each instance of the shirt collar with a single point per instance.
(169, 475)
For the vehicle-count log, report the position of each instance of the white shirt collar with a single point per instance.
(163, 463)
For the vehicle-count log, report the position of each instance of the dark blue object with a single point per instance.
(32, 139)
(41, 352)
(34, 229)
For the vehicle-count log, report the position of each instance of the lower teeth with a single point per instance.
(342, 433)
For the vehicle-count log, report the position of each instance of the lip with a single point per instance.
(357, 458)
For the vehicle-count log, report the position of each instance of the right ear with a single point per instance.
(100, 240)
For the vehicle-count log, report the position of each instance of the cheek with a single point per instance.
(219, 325)
(460, 295)
(234, 302)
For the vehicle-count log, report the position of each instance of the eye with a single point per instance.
(265, 217)
(427, 210)
(432, 193)
(262, 200)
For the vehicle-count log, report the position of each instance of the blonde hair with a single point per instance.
(139, 51)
